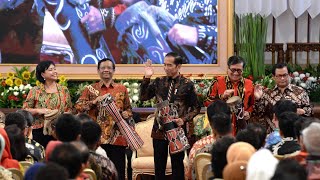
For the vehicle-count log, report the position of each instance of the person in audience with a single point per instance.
(112, 141)
(240, 151)
(84, 151)
(261, 165)
(33, 170)
(219, 155)
(289, 167)
(36, 149)
(248, 136)
(6, 159)
(234, 85)
(181, 94)
(235, 171)
(67, 128)
(51, 171)
(288, 146)
(260, 131)
(311, 141)
(18, 148)
(44, 98)
(266, 98)
(50, 147)
(220, 123)
(90, 135)
(69, 157)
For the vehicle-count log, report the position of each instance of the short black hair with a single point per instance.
(41, 68)
(90, 133)
(51, 171)
(248, 136)
(292, 167)
(17, 119)
(104, 60)
(18, 147)
(218, 106)
(84, 151)
(284, 105)
(286, 123)
(279, 66)
(219, 155)
(68, 128)
(177, 58)
(27, 115)
(236, 60)
(67, 156)
(84, 117)
(221, 123)
(260, 131)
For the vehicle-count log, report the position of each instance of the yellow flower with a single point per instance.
(38, 83)
(10, 74)
(17, 82)
(9, 82)
(62, 79)
(26, 75)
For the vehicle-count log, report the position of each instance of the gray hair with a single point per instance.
(311, 138)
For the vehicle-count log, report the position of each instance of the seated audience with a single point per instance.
(90, 135)
(35, 148)
(67, 128)
(288, 146)
(6, 159)
(240, 151)
(219, 155)
(50, 147)
(52, 171)
(30, 174)
(248, 136)
(235, 171)
(84, 151)
(69, 157)
(289, 168)
(18, 148)
(260, 131)
(311, 141)
(261, 165)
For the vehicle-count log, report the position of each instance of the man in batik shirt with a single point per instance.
(265, 99)
(183, 96)
(111, 141)
(233, 85)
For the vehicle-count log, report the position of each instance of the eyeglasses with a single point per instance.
(279, 76)
(236, 70)
(104, 68)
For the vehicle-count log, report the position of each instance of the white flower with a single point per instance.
(16, 88)
(23, 92)
(296, 74)
(126, 84)
(311, 79)
(304, 85)
(28, 86)
(128, 89)
(16, 93)
(302, 76)
(135, 85)
(10, 88)
(135, 91)
(308, 74)
(130, 100)
(21, 87)
(296, 79)
(2, 93)
(135, 98)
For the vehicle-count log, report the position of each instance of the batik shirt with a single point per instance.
(35, 149)
(110, 131)
(183, 96)
(108, 169)
(39, 98)
(263, 107)
(201, 14)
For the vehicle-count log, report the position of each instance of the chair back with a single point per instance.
(25, 165)
(202, 163)
(92, 175)
(144, 129)
(207, 171)
(16, 174)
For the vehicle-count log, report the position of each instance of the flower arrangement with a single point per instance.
(202, 87)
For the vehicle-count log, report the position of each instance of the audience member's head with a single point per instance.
(219, 153)
(29, 118)
(84, 151)
(84, 117)
(248, 136)
(289, 167)
(221, 124)
(286, 124)
(260, 131)
(300, 124)
(311, 138)
(218, 106)
(240, 151)
(235, 171)
(90, 134)
(52, 171)
(6, 158)
(284, 105)
(261, 165)
(69, 157)
(18, 147)
(17, 119)
(33, 170)
(50, 147)
(67, 128)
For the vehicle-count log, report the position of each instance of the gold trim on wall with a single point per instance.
(135, 71)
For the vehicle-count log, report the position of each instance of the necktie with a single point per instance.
(170, 90)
